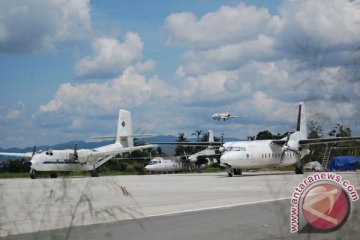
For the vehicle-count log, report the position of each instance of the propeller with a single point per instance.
(188, 161)
(292, 147)
(27, 162)
(76, 156)
(34, 151)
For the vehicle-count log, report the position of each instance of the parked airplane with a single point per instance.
(196, 161)
(273, 153)
(223, 116)
(54, 161)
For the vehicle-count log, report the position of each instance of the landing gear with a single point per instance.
(33, 174)
(53, 175)
(235, 171)
(94, 173)
(299, 170)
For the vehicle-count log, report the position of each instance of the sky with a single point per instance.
(68, 66)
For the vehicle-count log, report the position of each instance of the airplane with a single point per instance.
(223, 116)
(54, 161)
(196, 161)
(288, 151)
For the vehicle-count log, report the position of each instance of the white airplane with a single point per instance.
(196, 161)
(54, 161)
(223, 116)
(273, 153)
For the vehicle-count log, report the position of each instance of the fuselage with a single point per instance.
(63, 160)
(255, 154)
(161, 165)
(221, 116)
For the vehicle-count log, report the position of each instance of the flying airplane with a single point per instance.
(196, 161)
(288, 151)
(54, 161)
(223, 116)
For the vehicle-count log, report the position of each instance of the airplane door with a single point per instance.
(250, 154)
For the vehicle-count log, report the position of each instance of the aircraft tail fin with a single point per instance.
(301, 129)
(124, 134)
(211, 136)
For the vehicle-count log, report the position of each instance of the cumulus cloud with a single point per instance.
(226, 26)
(111, 57)
(42, 25)
(228, 57)
(129, 89)
(335, 27)
(12, 113)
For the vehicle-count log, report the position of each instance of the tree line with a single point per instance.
(137, 160)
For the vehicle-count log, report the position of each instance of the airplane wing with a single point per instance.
(114, 137)
(317, 141)
(190, 143)
(329, 140)
(120, 150)
(23, 155)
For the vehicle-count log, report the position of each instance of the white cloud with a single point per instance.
(12, 113)
(331, 25)
(110, 57)
(226, 26)
(42, 25)
(129, 89)
(229, 57)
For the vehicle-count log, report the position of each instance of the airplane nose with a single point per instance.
(227, 157)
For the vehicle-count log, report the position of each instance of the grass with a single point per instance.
(14, 175)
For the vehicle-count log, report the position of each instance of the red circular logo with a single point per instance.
(326, 207)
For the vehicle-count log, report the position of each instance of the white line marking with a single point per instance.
(217, 207)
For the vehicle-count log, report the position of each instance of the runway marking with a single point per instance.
(222, 206)
(217, 207)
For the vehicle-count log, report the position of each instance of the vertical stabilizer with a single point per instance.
(301, 128)
(211, 136)
(124, 134)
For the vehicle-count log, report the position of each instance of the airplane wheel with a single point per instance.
(230, 173)
(94, 174)
(33, 174)
(53, 175)
(237, 171)
(299, 170)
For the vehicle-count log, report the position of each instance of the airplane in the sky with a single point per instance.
(196, 161)
(288, 151)
(54, 161)
(223, 116)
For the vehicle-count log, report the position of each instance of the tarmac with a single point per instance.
(75, 204)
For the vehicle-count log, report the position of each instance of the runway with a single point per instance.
(181, 206)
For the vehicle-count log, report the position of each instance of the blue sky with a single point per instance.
(66, 67)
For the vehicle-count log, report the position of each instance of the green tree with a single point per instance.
(315, 130)
(197, 133)
(340, 131)
(316, 151)
(264, 135)
(181, 150)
